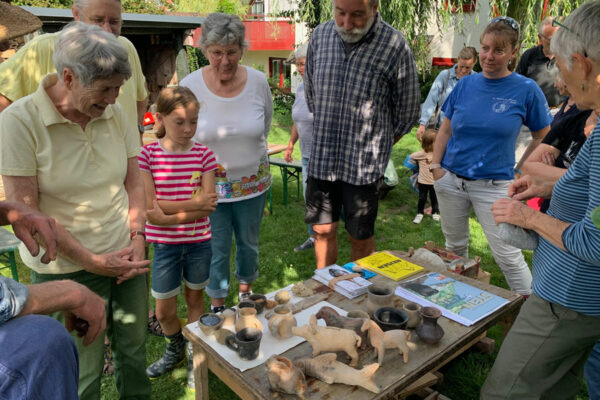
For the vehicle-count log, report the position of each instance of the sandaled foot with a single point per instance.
(154, 326)
(109, 367)
(307, 245)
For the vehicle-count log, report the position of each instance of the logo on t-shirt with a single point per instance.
(501, 105)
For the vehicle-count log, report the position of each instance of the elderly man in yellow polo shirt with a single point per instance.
(69, 151)
(21, 74)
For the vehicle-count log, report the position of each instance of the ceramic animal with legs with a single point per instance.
(333, 318)
(285, 377)
(325, 338)
(326, 368)
(394, 339)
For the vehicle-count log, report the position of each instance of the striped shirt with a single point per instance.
(361, 99)
(176, 177)
(572, 278)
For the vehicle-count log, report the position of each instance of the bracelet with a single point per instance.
(435, 166)
(133, 234)
(518, 171)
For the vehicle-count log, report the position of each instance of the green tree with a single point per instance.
(208, 6)
(130, 6)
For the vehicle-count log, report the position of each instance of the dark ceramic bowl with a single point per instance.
(389, 318)
(259, 301)
(244, 304)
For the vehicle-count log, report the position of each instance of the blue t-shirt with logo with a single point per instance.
(486, 116)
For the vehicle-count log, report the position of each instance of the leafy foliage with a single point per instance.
(130, 6)
(282, 99)
(208, 6)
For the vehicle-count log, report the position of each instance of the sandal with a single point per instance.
(109, 367)
(154, 326)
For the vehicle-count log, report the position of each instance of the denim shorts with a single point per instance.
(172, 261)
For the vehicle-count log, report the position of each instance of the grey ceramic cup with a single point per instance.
(246, 343)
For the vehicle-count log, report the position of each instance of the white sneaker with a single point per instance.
(436, 217)
(418, 219)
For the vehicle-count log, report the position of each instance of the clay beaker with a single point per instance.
(428, 330)
(379, 296)
(247, 319)
(229, 319)
(210, 322)
(412, 310)
(281, 323)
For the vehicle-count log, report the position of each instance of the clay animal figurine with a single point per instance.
(285, 377)
(324, 338)
(326, 368)
(396, 338)
(333, 318)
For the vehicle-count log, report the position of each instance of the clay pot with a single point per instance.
(282, 322)
(389, 318)
(247, 319)
(210, 322)
(229, 319)
(412, 310)
(379, 296)
(428, 330)
(259, 301)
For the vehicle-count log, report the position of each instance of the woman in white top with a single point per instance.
(234, 121)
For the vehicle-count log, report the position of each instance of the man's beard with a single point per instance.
(354, 35)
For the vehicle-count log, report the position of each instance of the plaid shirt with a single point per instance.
(361, 101)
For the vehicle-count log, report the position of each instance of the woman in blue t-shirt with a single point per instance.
(474, 153)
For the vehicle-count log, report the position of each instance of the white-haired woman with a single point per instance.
(544, 353)
(301, 130)
(69, 151)
(234, 121)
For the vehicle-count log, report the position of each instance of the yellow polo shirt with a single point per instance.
(21, 74)
(80, 173)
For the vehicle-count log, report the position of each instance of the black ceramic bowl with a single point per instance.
(249, 304)
(389, 318)
(259, 301)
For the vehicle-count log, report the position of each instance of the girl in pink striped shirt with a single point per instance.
(179, 177)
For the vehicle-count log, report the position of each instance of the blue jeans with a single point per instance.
(38, 360)
(240, 219)
(592, 373)
(305, 160)
(172, 261)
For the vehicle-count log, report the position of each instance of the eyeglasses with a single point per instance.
(507, 21)
(555, 22)
(219, 54)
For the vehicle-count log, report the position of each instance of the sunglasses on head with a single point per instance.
(555, 22)
(507, 21)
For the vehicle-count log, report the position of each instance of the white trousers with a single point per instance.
(456, 196)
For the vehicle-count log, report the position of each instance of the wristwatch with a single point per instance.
(435, 166)
(133, 234)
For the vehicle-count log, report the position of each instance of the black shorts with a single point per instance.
(324, 201)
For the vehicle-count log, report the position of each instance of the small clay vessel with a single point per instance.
(412, 310)
(229, 319)
(282, 297)
(379, 296)
(210, 322)
(259, 301)
(247, 319)
(282, 322)
(284, 376)
(428, 330)
(221, 335)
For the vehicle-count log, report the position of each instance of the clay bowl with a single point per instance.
(259, 301)
(210, 322)
(247, 304)
(389, 318)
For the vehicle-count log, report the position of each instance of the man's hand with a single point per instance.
(90, 309)
(27, 223)
(120, 263)
(528, 187)
(438, 173)
(287, 156)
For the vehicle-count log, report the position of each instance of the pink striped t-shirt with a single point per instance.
(176, 177)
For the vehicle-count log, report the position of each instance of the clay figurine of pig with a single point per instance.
(327, 339)
(326, 368)
(285, 377)
(333, 318)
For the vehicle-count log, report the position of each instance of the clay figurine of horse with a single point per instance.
(396, 338)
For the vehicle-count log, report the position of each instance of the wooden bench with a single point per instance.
(290, 172)
(9, 243)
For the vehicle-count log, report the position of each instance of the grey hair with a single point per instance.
(545, 21)
(372, 3)
(90, 52)
(82, 4)
(222, 30)
(580, 36)
(301, 51)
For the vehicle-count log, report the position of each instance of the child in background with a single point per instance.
(179, 179)
(425, 180)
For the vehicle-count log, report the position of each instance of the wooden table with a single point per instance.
(392, 377)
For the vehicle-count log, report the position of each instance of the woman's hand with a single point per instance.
(528, 187)
(513, 212)
(287, 156)
(438, 173)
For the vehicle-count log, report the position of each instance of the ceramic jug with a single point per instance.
(281, 323)
(428, 330)
(247, 319)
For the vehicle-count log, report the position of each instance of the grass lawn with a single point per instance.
(280, 266)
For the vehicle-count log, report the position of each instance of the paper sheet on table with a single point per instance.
(268, 344)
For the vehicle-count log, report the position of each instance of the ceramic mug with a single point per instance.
(246, 343)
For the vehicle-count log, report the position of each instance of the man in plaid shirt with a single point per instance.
(361, 84)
